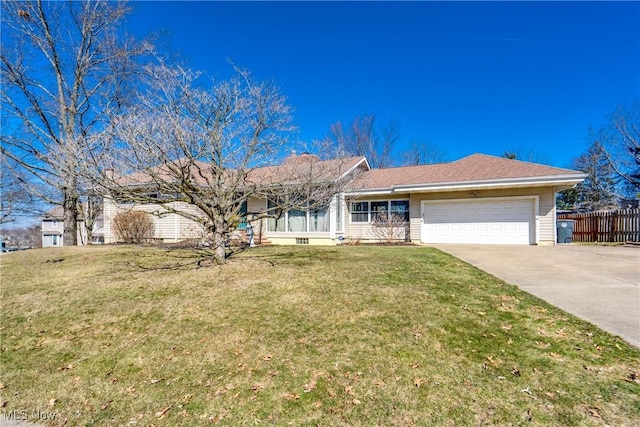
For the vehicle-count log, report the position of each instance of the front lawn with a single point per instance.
(353, 336)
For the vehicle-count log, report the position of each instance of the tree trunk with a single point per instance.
(219, 253)
(70, 210)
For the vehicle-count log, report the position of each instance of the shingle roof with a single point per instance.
(294, 168)
(57, 214)
(477, 167)
(299, 169)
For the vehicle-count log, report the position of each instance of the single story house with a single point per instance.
(478, 199)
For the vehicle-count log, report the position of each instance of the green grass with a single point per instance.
(353, 336)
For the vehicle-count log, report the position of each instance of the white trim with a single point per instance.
(564, 180)
(529, 181)
(534, 198)
(555, 214)
(354, 167)
(336, 201)
(176, 226)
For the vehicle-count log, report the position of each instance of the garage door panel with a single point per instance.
(489, 222)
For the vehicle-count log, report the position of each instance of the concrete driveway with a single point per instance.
(600, 284)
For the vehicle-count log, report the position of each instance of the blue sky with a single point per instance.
(465, 76)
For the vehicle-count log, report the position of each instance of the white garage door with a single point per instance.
(509, 221)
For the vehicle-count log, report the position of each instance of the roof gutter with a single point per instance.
(554, 180)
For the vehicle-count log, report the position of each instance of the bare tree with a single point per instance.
(390, 228)
(64, 68)
(423, 153)
(363, 138)
(527, 154)
(92, 209)
(620, 139)
(16, 201)
(187, 144)
(599, 189)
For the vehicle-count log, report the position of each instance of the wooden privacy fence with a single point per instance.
(612, 226)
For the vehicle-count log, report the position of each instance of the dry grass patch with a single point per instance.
(297, 336)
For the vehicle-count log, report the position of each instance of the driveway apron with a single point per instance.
(600, 284)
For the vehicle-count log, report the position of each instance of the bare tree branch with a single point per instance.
(620, 138)
(64, 69)
(363, 138)
(423, 153)
(212, 146)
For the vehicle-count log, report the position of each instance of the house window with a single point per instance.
(275, 224)
(369, 211)
(360, 212)
(400, 208)
(243, 216)
(54, 223)
(299, 221)
(55, 240)
(318, 220)
(379, 211)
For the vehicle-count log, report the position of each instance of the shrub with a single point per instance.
(134, 226)
(390, 228)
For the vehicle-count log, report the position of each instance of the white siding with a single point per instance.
(169, 227)
(48, 229)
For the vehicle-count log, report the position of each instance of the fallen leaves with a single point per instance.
(311, 385)
(492, 362)
(161, 414)
(542, 332)
(291, 396)
(257, 387)
(592, 411)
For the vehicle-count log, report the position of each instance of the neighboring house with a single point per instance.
(478, 199)
(52, 229)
